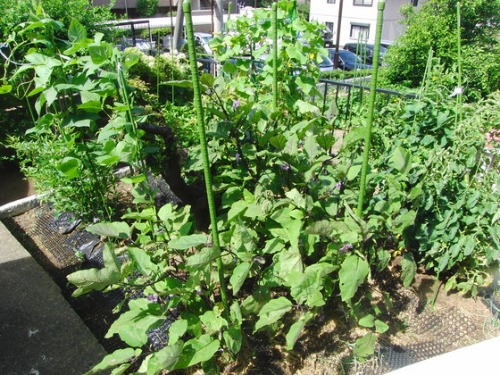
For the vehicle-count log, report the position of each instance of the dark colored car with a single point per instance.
(365, 51)
(348, 60)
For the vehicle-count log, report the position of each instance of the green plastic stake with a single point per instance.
(204, 151)
(371, 107)
(274, 35)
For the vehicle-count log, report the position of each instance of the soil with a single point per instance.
(424, 323)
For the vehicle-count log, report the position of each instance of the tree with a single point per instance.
(15, 12)
(434, 26)
(147, 8)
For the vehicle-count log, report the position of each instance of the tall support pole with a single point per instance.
(204, 154)
(371, 107)
(274, 35)
(339, 23)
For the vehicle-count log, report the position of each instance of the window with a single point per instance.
(330, 1)
(360, 31)
(329, 26)
(366, 3)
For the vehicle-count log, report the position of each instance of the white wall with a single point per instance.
(352, 14)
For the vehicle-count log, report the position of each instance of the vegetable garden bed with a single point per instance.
(300, 218)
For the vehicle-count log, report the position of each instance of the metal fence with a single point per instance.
(347, 95)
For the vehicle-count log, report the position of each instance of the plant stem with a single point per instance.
(204, 153)
(371, 106)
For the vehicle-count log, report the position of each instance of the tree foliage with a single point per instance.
(147, 8)
(15, 12)
(434, 26)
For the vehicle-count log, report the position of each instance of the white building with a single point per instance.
(359, 18)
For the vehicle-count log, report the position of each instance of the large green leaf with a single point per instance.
(240, 273)
(132, 326)
(197, 350)
(233, 339)
(70, 167)
(97, 279)
(118, 229)
(365, 346)
(408, 269)
(352, 274)
(76, 31)
(114, 359)
(272, 311)
(143, 261)
(187, 242)
(400, 160)
(163, 359)
(199, 260)
(176, 330)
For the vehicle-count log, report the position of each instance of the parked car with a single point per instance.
(326, 64)
(365, 51)
(143, 45)
(348, 60)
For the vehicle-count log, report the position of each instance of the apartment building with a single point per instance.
(359, 18)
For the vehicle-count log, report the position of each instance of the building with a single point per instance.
(359, 18)
(128, 7)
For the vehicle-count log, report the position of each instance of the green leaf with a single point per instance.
(132, 326)
(76, 31)
(409, 269)
(326, 141)
(199, 260)
(367, 321)
(5, 89)
(279, 141)
(176, 330)
(97, 279)
(118, 229)
(240, 273)
(352, 274)
(272, 311)
(233, 339)
(305, 107)
(400, 160)
(100, 53)
(197, 350)
(164, 359)
(322, 227)
(114, 359)
(135, 180)
(354, 136)
(294, 333)
(380, 326)
(70, 167)
(404, 220)
(365, 346)
(384, 258)
(213, 322)
(108, 160)
(143, 261)
(187, 242)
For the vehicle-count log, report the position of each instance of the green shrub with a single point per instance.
(434, 27)
(147, 8)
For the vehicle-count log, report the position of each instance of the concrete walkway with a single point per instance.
(40, 333)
